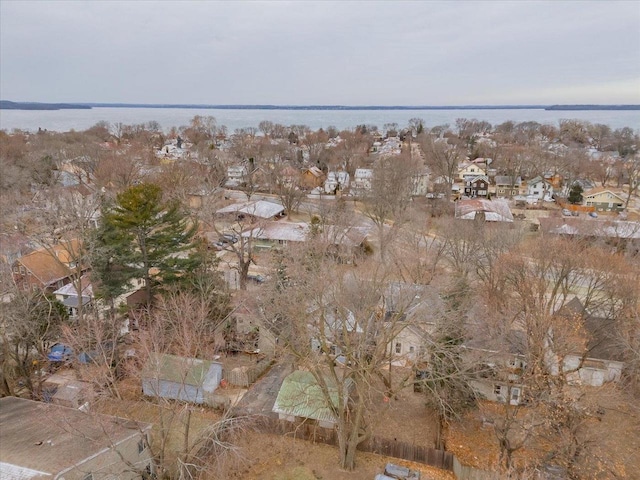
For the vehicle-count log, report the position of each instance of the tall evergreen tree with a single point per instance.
(153, 238)
(575, 194)
(109, 275)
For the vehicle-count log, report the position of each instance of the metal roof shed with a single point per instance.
(178, 378)
(301, 396)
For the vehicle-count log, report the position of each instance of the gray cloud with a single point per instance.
(321, 52)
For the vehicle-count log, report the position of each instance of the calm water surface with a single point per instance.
(65, 120)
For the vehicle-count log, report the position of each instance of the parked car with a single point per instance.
(593, 214)
(566, 212)
(97, 355)
(228, 238)
(60, 353)
(256, 278)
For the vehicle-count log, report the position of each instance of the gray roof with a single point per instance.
(588, 227)
(507, 180)
(495, 210)
(289, 231)
(40, 440)
(182, 370)
(259, 208)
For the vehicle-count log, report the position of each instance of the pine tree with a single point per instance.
(153, 239)
(109, 275)
(575, 195)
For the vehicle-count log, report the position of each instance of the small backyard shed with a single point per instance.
(178, 378)
(300, 396)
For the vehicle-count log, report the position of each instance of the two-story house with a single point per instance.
(507, 186)
(47, 269)
(336, 181)
(540, 189)
(362, 179)
(604, 200)
(467, 171)
(236, 175)
(477, 187)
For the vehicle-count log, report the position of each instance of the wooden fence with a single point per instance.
(382, 446)
(245, 376)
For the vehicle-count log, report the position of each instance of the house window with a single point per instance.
(22, 270)
(411, 349)
(515, 395)
(25, 286)
(398, 348)
(34, 287)
(497, 390)
(16, 270)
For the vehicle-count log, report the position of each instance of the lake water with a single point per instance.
(65, 120)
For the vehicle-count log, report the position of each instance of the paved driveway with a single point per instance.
(262, 395)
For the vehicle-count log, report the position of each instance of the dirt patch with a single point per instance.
(612, 455)
(275, 457)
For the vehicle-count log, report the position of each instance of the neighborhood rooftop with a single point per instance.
(40, 440)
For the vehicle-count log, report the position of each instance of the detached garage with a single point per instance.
(178, 378)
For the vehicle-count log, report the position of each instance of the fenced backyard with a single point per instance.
(381, 446)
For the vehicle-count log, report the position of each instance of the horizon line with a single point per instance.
(556, 106)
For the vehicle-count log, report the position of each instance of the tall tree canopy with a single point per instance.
(151, 238)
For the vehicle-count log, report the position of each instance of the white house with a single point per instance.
(236, 175)
(336, 181)
(362, 179)
(540, 189)
(467, 171)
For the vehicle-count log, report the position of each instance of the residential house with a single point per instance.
(312, 178)
(477, 187)
(467, 171)
(592, 357)
(362, 179)
(257, 210)
(408, 346)
(411, 309)
(499, 372)
(507, 186)
(47, 269)
(44, 440)
(178, 378)
(346, 244)
(501, 387)
(288, 177)
(81, 197)
(496, 210)
(624, 235)
(301, 398)
(336, 181)
(272, 234)
(555, 179)
(595, 357)
(604, 200)
(198, 197)
(420, 183)
(236, 176)
(540, 189)
(68, 295)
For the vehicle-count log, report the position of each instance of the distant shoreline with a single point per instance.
(9, 105)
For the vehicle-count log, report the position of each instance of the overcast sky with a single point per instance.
(296, 53)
